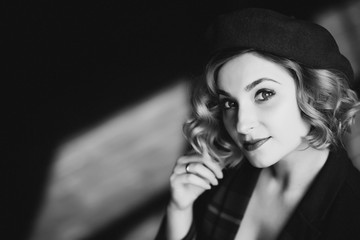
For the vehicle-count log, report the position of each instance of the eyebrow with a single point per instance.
(250, 86)
(257, 82)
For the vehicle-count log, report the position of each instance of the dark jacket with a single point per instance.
(329, 210)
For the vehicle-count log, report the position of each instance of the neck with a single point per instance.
(298, 169)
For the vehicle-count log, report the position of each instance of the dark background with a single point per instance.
(70, 64)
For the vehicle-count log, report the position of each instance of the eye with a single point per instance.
(227, 104)
(264, 95)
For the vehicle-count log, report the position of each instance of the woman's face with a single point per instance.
(260, 110)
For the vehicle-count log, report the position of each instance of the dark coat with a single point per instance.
(329, 210)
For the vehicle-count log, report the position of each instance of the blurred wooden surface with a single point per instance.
(114, 168)
(117, 166)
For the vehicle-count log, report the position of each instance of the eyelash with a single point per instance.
(266, 94)
(224, 102)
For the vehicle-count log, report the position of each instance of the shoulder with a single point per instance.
(346, 169)
(352, 181)
(350, 192)
(347, 200)
(342, 221)
(346, 208)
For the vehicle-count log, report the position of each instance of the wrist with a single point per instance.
(173, 206)
(179, 221)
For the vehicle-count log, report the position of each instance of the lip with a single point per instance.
(254, 144)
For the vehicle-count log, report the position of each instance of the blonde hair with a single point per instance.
(323, 96)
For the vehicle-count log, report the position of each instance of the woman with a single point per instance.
(268, 161)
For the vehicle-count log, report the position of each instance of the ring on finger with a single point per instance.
(187, 170)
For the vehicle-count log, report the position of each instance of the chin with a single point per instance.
(260, 163)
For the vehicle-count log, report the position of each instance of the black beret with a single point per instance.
(261, 29)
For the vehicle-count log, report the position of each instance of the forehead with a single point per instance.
(249, 67)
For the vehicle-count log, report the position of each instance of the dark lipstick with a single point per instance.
(255, 144)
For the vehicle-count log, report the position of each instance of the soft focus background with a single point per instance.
(96, 94)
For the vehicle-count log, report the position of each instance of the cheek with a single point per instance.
(229, 123)
(288, 123)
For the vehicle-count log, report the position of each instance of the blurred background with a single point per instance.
(96, 94)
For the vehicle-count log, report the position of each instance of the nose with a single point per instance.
(246, 119)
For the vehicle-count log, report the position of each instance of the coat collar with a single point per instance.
(234, 193)
(305, 223)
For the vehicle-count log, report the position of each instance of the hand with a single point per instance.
(187, 186)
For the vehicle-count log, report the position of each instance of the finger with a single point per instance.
(197, 168)
(189, 158)
(205, 158)
(201, 170)
(191, 179)
(212, 164)
(180, 167)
